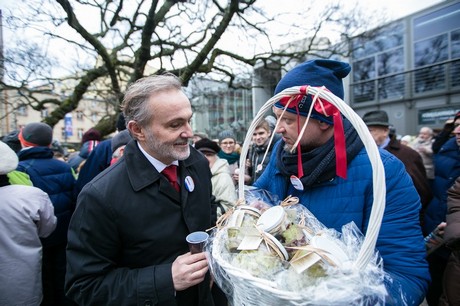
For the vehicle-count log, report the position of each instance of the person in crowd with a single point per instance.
(446, 170)
(227, 143)
(99, 159)
(238, 147)
(451, 236)
(12, 140)
(259, 153)
(272, 123)
(223, 190)
(423, 144)
(198, 136)
(118, 144)
(58, 150)
(91, 138)
(16, 177)
(223, 187)
(378, 124)
(26, 215)
(446, 132)
(57, 179)
(127, 236)
(406, 140)
(338, 191)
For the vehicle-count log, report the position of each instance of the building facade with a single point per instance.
(216, 107)
(15, 114)
(410, 68)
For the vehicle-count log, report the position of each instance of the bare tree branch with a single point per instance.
(110, 43)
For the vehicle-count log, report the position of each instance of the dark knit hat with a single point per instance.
(226, 134)
(91, 134)
(378, 117)
(12, 140)
(120, 139)
(36, 134)
(317, 73)
(206, 145)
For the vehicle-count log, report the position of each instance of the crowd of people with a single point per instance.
(108, 225)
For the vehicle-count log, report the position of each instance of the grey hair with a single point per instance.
(135, 104)
(428, 129)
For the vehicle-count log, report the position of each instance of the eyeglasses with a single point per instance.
(227, 143)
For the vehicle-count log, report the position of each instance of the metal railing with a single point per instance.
(437, 79)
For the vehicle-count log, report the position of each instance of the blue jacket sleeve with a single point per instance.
(98, 160)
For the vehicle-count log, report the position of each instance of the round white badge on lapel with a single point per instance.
(189, 184)
(296, 182)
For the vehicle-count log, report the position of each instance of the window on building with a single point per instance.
(390, 66)
(455, 55)
(94, 117)
(436, 44)
(79, 115)
(379, 58)
(363, 71)
(437, 22)
(21, 110)
(431, 51)
(80, 133)
(44, 113)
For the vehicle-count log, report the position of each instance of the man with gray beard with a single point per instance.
(127, 237)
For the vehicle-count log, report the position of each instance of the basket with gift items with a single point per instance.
(270, 251)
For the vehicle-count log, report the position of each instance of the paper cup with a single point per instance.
(196, 241)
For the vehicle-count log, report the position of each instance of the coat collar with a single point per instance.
(35, 152)
(142, 173)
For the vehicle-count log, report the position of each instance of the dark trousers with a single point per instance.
(437, 265)
(53, 276)
(218, 296)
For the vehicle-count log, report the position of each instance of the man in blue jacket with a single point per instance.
(56, 178)
(310, 172)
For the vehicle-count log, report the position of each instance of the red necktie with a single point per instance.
(171, 174)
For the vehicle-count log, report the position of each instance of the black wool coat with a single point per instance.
(129, 226)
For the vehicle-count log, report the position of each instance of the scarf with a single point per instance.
(231, 158)
(319, 164)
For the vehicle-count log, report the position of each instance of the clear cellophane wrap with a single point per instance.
(264, 277)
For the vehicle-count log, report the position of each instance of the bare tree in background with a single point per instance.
(112, 43)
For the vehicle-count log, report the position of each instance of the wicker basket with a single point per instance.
(249, 290)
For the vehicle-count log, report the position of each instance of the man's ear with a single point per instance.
(136, 131)
(323, 125)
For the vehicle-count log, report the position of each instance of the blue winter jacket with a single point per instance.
(57, 179)
(340, 201)
(447, 169)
